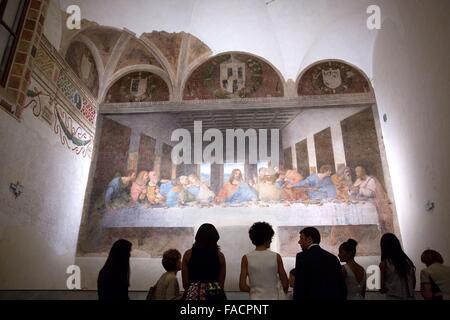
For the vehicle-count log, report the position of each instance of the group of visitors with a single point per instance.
(318, 274)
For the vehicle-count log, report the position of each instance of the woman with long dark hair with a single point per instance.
(398, 273)
(203, 267)
(114, 278)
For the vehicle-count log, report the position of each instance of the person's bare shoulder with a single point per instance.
(221, 257)
(279, 258)
(187, 254)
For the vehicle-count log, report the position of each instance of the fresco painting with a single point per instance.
(139, 201)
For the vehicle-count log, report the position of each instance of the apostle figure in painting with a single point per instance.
(320, 187)
(262, 172)
(205, 194)
(153, 195)
(139, 187)
(236, 190)
(198, 190)
(177, 195)
(266, 187)
(192, 188)
(342, 180)
(369, 188)
(293, 190)
(165, 185)
(116, 193)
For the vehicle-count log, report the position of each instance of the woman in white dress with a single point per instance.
(263, 267)
(354, 274)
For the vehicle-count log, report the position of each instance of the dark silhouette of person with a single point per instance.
(203, 267)
(435, 278)
(114, 278)
(318, 273)
(397, 271)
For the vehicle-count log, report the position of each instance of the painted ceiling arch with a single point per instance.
(332, 76)
(234, 75)
(82, 61)
(136, 53)
(138, 86)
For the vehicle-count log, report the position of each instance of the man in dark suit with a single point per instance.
(318, 273)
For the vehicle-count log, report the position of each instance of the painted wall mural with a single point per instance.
(104, 39)
(332, 77)
(138, 87)
(168, 43)
(136, 54)
(71, 134)
(301, 150)
(80, 58)
(324, 149)
(346, 199)
(63, 111)
(76, 98)
(197, 48)
(233, 75)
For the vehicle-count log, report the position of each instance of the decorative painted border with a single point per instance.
(56, 70)
(71, 134)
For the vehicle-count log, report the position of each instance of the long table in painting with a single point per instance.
(295, 214)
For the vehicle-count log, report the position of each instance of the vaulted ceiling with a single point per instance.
(291, 34)
(176, 45)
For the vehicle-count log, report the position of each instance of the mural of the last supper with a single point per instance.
(336, 182)
(317, 166)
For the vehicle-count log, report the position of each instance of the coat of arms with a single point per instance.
(332, 78)
(232, 76)
(138, 86)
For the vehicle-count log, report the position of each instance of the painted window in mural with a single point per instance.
(229, 167)
(205, 173)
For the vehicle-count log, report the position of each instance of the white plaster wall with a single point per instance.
(343, 35)
(411, 69)
(312, 121)
(53, 24)
(39, 230)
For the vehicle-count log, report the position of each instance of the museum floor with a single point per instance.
(134, 295)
